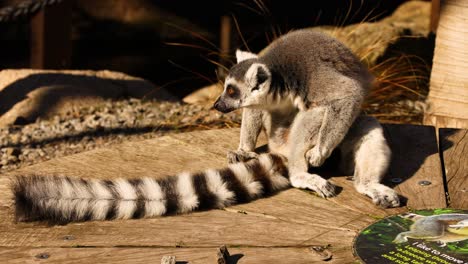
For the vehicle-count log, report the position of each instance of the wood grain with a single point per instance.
(243, 255)
(454, 148)
(293, 218)
(269, 230)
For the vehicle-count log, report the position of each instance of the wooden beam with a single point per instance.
(51, 37)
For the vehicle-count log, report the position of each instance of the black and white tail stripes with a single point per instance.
(66, 199)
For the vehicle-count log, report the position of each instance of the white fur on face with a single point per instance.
(244, 55)
(256, 98)
(232, 81)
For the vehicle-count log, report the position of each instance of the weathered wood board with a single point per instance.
(244, 255)
(454, 149)
(271, 230)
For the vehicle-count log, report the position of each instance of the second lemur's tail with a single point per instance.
(67, 199)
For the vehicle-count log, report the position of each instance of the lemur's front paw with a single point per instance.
(316, 157)
(313, 182)
(381, 195)
(240, 156)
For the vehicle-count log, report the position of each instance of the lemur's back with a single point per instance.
(305, 57)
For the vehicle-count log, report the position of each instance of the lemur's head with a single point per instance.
(246, 84)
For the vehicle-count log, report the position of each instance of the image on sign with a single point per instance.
(418, 237)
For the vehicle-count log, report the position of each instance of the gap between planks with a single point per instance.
(454, 153)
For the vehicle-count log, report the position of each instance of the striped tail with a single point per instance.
(67, 199)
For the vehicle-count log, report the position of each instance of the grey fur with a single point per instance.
(67, 199)
(305, 92)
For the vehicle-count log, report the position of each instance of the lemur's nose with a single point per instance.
(221, 106)
(218, 105)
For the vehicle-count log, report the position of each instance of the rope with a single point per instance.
(24, 9)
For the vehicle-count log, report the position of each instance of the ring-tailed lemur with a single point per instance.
(443, 228)
(305, 91)
(67, 199)
(309, 123)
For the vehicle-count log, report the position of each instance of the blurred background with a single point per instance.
(76, 75)
(176, 43)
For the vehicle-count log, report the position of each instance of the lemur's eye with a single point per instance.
(230, 91)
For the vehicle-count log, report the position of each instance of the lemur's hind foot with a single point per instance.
(313, 182)
(380, 194)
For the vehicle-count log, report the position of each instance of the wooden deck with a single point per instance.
(279, 229)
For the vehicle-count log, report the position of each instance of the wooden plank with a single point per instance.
(158, 157)
(415, 159)
(454, 149)
(223, 140)
(164, 156)
(271, 222)
(241, 255)
(292, 219)
(51, 37)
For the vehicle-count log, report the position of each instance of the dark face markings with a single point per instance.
(232, 91)
(262, 76)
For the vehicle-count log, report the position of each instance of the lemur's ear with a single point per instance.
(244, 55)
(257, 74)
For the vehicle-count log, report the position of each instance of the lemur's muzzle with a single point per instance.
(221, 106)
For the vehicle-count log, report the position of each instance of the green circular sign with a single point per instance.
(437, 236)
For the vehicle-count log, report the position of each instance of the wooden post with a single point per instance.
(435, 14)
(448, 93)
(51, 37)
(225, 43)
